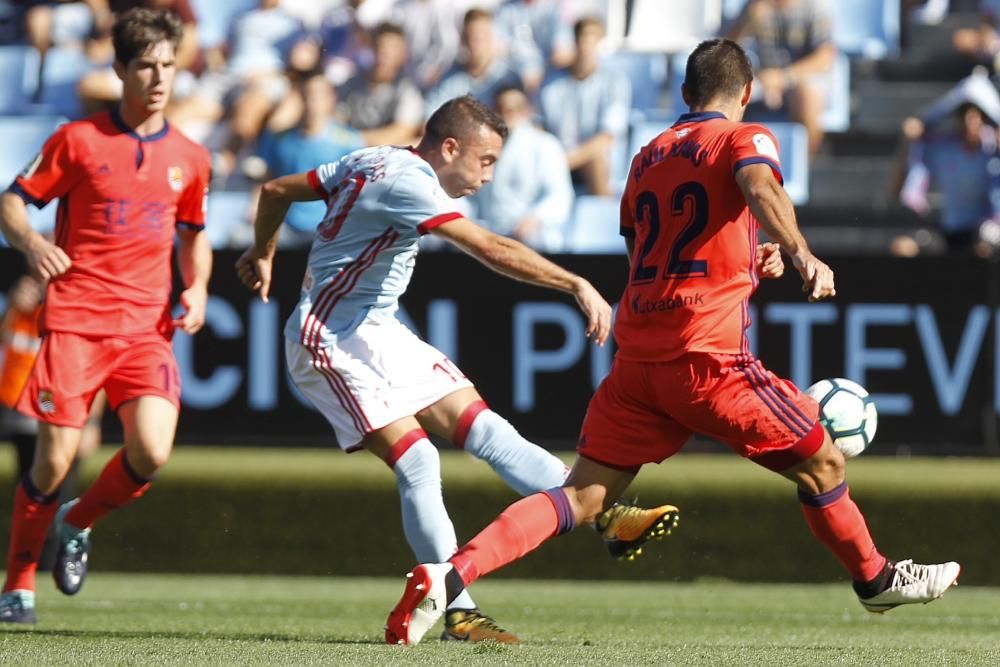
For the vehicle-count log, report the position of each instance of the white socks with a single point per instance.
(426, 523)
(523, 465)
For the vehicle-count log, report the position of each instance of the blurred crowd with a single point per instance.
(274, 87)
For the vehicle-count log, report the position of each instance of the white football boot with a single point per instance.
(912, 582)
(423, 603)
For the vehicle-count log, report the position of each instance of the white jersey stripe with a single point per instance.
(314, 323)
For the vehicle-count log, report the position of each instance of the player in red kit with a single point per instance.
(128, 184)
(690, 211)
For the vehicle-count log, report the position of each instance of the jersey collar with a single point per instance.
(120, 123)
(698, 116)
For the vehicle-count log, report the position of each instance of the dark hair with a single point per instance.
(387, 28)
(717, 67)
(476, 14)
(509, 88)
(585, 22)
(460, 117)
(138, 29)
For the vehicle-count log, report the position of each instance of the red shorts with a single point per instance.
(71, 369)
(645, 412)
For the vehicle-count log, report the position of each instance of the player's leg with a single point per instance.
(331, 379)
(34, 508)
(464, 418)
(617, 437)
(149, 423)
(403, 446)
(62, 383)
(517, 531)
(837, 522)
(774, 424)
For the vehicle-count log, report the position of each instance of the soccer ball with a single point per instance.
(847, 412)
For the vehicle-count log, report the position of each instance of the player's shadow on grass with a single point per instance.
(221, 636)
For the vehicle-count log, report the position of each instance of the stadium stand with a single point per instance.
(889, 68)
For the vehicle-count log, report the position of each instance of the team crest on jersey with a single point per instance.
(32, 167)
(175, 176)
(765, 146)
(683, 132)
(46, 402)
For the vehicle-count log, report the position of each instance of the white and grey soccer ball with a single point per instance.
(847, 412)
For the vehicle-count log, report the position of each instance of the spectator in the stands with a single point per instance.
(317, 139)
(952, 149)
(982, 42)
(383, 102)
(432, 38)
(246, 79)
(587, 107)
(536, 37)
(531, 195)
(67, 24)
(793, 44)
(101, 86)
(481, 69)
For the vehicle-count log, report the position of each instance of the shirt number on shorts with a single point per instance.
(689, 203)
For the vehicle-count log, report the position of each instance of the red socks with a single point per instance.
(520, 529)
(838, 523)
(30, 520)
(117, 485)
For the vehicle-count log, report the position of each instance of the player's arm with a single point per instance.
(514, 259)
(254, 266)
(45, 259)
(774, 210)
(194, 255)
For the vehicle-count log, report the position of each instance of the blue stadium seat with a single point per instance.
(647, 72)
(594, 226)
(837, 110)
(21, 138)
(216, 16)
(866, 28)
(13, 64)
(63, 70)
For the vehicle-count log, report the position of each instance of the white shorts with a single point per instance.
(378, 374)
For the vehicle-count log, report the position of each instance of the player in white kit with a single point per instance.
(378, 384)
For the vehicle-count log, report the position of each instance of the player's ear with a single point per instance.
(449, 149)
(747, 90)
(685, 95)
(119, 69)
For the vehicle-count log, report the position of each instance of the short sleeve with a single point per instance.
(821, 28)
(193, 204)
(626, 224)
(51, 174)
(325, 177)
(417, 201)
(754, 144)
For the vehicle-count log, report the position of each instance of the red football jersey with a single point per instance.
(121, 197)
(693, 265)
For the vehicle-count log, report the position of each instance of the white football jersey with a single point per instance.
(379, 202)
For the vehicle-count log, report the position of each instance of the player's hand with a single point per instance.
(254, 271)
(194, 300)
(817, 277)
(47, 260)
(596, 309)
(770, 263)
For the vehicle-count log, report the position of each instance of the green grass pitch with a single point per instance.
(169, 619)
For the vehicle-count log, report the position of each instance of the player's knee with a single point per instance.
(148, 459)
(49, 470)
(825, 469)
